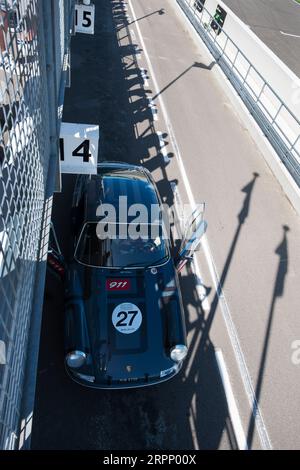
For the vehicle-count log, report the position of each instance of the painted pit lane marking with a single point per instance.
(239, 355)
(289, 34)
(231, 403)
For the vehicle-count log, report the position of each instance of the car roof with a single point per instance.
(115, 180)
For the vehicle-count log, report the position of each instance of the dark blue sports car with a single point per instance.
(124, 320)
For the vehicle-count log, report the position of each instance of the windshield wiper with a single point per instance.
(145, 266)
(157, 262)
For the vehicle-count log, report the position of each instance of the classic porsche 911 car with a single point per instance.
(124, 320)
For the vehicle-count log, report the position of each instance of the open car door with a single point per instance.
(194, 230)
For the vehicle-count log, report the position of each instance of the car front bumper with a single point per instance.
(118, 384)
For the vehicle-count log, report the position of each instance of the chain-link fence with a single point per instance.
(34, 38)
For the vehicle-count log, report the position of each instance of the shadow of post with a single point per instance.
(282, 252)
(198, 65)
(242, 217)
(158, 12)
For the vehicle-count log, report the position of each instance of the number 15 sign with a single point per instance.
(79, 148)
(84, 18)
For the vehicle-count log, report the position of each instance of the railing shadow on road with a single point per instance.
(282, 252)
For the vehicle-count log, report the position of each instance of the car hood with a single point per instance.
(132, 318)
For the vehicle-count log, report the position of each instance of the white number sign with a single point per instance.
(127, 318)
(79, 148)
(84, 19)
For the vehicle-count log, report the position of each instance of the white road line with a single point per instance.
(239, 356)
(289, 34)
(231, 403)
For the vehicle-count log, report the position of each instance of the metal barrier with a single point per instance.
(278, 123)
(34, 36)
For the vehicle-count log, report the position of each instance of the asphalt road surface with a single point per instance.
(142, 50)
(276, 23)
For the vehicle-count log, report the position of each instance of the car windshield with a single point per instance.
(119, 249)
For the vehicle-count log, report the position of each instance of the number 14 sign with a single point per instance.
(79, 148)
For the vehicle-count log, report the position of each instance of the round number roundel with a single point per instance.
(127, 318)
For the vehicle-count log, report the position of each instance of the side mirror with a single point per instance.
(190, 245)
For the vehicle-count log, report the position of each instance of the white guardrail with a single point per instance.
(269, 89)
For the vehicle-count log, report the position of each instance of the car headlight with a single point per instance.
(178, 352)
(75, 359)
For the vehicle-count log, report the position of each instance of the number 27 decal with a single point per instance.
(127, 318)
(124, 315)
